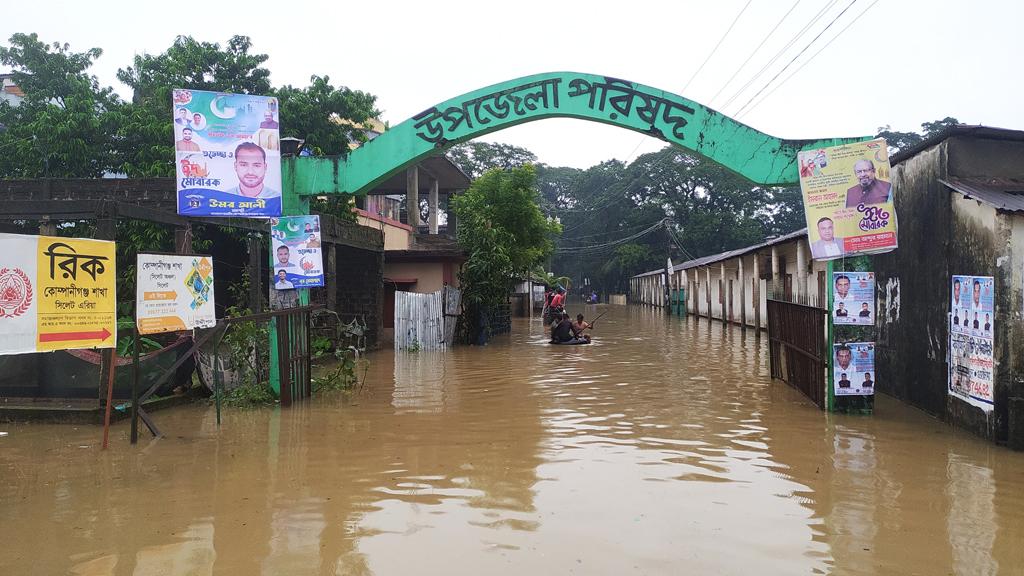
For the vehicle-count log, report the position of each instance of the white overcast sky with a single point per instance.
(904, 62)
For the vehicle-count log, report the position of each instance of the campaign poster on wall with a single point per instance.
(971, 330)
(227, 154)
(173, 292)
(848, 199)
(853, 368)
(853, 298)
(56, 293)
(298, 261)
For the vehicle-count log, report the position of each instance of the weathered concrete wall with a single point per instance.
(912, 284)
(360, 289)
(1010, 339)
(942, 233)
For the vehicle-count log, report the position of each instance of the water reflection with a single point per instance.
(661, 448)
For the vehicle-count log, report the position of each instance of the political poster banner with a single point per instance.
(173, 292)
(298, 262)
(227, 153)
(971, 339)
(853, 368)
(853, 298)
(848, 199)
(56, 293)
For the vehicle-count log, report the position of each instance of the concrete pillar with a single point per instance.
(708, 287)
(776, 277)
(450, 211)
(412, 196)
(755, 298)
(743, 295)
(723, 292)
(801, 271)
(432, 202)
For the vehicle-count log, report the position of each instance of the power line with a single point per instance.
(753, 53)
(781, 51)
(808, 61)
(600, 247)
(790, 63)
(715, 49)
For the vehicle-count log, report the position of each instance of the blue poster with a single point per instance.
(298, 260)
(853, 368)
(227, 153)
(853, 298)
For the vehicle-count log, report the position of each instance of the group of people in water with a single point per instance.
(563, 329)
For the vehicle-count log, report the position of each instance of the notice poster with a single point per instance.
(227, 154)
(173, 292)
(847, 196)
(971, 330)
(56, 293)
(298, 262)
(853, 301)
(853, 368)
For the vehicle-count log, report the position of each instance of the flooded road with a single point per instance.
(663, 448)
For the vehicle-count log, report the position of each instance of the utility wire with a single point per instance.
(782, 51)
(715, 49)
(808, 61)
(753, 53)
(800, 53)
(599, 247)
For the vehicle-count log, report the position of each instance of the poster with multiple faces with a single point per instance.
(847, 193)
(971, 329)
(853, 301)
(853, 367)
(227, 152)
(298, 260)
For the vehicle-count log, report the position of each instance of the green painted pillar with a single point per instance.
(298, 177)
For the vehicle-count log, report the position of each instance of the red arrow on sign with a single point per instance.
(66, 336)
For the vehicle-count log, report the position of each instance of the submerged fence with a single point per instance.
(426, 321)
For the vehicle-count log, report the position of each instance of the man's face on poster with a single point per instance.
(843, 357)
(843, 287)
(181, 113)
(282, 255)
(865, 172)
(186, 135)
(251, 167)
(956, 291)
(281, 275)
(977, 293)
(826, 230)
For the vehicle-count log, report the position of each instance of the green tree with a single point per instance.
(475, 158)
(506, 235)
(898, 141)
(317, 114)
(145, 135)
(63, 127)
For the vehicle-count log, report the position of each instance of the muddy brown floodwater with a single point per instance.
(663, 448)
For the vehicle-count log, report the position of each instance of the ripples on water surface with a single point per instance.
(661, 449)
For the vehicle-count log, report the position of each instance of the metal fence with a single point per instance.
(426, 321)
(797, 347)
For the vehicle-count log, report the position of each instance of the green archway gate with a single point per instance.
(759, 157)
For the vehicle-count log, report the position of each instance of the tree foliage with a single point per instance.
(898, 141)
(475, 158)
(63, 128)
(314, 114)
(506, 235)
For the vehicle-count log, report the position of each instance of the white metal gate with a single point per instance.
(426, 321)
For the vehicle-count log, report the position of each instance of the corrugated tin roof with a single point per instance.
(706, 260)
(1001, 193)
(976, 131)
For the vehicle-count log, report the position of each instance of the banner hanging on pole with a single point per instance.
(227, 150)
(173, 292)
(298, 260)
(56, 293)
(848, 199)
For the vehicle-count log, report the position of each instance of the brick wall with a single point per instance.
(360, 288)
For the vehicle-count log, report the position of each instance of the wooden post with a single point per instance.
(255, 273)
(412, 197)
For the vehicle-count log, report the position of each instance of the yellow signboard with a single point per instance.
(56, 293)
(848, 199)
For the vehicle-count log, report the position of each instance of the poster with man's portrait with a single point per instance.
(971, 339)
(298, 259)
(848, 199)
(853, 368)
(227, 154)
(853, 298)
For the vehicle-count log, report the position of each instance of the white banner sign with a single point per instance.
(174, 293)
